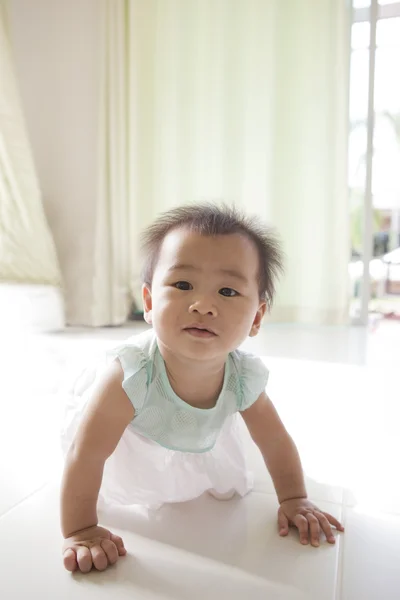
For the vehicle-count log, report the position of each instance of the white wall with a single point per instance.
(56, 47)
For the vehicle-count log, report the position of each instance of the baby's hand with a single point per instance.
(308, 519)
(93, 547)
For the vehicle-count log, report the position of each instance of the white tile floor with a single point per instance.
(338, 392)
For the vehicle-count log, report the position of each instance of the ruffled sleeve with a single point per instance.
(134, 364)
(253, 378)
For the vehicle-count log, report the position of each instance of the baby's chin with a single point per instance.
(195, 350)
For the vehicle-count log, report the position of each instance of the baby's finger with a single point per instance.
(314, 529)
(110, 550)
(326, 528)
(84, 559)
(283, 523)
(119, 544)
(99, 557)
(302, 525)
(69, 558)
(334, 521)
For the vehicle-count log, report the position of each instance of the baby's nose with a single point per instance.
(203, 306)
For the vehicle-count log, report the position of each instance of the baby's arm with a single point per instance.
(283, 462)
(277, 447)
(105, 420)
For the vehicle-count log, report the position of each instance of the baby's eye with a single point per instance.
(183, 285)
(228, 292)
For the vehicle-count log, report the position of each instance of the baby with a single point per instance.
(161, 423)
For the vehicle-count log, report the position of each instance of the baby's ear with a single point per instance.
(255, 328)
(147, 303)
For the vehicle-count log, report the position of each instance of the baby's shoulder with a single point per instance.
(251, 376)
(246, 364)
(136, 352)
(136, 357)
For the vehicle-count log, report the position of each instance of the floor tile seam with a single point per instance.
(24, 499)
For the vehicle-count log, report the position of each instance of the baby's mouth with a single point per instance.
(199, 331)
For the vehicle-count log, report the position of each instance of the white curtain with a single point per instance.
(241, 101)
(113, 258)
(27, 251)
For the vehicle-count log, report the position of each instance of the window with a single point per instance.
(383, 295)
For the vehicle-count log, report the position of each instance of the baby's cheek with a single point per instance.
(163, 297)
(237, 322)
(246, 322)
(168, 303)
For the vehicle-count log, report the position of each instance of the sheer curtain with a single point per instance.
(30, 282)
(241, 101)
(27, 251)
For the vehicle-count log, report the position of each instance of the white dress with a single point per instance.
(171, 452)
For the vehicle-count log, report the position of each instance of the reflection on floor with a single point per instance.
(337, 391)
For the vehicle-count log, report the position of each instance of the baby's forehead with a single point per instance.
(186, 240)
(183, 247)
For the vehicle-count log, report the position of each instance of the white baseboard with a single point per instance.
(33, 308)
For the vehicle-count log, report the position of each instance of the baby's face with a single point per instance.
(204, 298)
